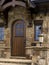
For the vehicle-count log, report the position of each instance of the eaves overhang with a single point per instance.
(5, 3)
(40, 2)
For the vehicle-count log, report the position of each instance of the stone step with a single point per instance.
(12, 64)
(15, 61)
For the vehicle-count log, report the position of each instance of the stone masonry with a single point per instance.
(20, 13)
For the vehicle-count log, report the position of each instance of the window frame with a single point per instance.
(37, 22)
(2, 25)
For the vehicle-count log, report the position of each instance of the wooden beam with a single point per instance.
(13, 3)
(2, 1)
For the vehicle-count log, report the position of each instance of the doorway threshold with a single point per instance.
(17, 57)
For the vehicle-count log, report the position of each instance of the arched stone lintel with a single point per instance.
(14, 3)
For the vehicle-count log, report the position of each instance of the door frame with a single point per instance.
(12, 32)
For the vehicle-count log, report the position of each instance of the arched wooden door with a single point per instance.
(18, 39)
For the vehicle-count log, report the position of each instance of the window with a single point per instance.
(1, 33)
(20, 29)
(37, 29)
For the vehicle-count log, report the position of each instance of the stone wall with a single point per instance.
(20, 13)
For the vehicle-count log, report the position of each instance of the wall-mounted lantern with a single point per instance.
(41, 38)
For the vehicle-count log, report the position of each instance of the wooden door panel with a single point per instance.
(18, 45)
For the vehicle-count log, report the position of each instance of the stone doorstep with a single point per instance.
(4, 60)
(13, 64)
(17, 57)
